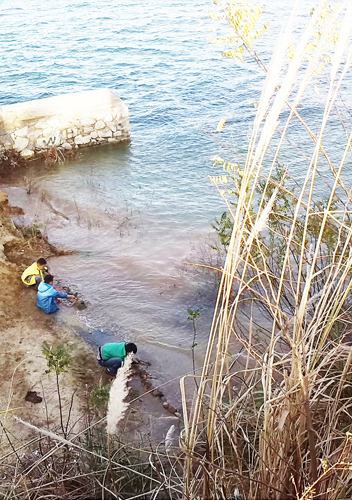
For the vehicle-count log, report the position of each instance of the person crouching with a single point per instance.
(112, 356)
(35, 273)
(47, 295)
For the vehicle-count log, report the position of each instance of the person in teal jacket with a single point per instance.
(111, 356)
(47, 295)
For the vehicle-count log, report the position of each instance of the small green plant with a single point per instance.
(58, 360)
(100, 395)
(27, 232)
(193, 315)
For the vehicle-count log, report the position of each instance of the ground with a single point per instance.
(25, 385)
(23, 330)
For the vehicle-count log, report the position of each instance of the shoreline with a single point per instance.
(24, 329)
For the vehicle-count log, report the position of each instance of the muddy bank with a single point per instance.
(24, 329)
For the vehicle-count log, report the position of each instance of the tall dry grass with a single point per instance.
(273, 411)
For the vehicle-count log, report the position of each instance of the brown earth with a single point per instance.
(25, 385)
(23, 330)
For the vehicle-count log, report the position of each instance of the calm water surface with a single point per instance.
(135, 211)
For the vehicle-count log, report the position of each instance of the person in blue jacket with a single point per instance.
(47, 295)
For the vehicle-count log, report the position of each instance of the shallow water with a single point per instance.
(135, 211)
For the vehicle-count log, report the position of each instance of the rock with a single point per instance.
(87, 122)
(112, 126)
(21, 143)
(33, 136)
(4, 199)
(40, 125)
(94, 135)
(74, 131)
(148, 386)
(118, 133)
(169, 407)
(33, 397)
(80, 140)
(55, 138)
(99, 125)
(105, 133)
(116, 114)
(47, 132)
(67, 146)
(108, 118)
(53, 122)
(27, 153)
(88, 130)
(23, 132)
(41, 143)
(157, 394)
(112, 140)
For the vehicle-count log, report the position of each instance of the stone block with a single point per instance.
(112, 126)
(99, 125)
(67, 146)
(21, 143)
(27, 153)
(87, 122)
(41, 125)
(116, 114)
(22, 132)
(56, 120)
(41, 143)
(47, 132)
(53, 122)
(32, 136)
(111, 139)
(80, 140)
(106, 132)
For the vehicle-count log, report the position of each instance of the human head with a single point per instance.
(49, 279)
(130, 347)
(41, 263)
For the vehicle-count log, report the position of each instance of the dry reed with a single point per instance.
(271, 422)
(117, 406)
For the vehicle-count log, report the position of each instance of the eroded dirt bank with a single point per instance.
(25, 385)
(24, 329)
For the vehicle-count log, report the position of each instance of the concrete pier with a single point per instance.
(66, 121)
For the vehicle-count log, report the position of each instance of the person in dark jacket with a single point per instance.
(47, 295)
(111, 356)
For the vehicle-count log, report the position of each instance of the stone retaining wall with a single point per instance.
(67, 121)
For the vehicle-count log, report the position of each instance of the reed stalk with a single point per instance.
(268, 426)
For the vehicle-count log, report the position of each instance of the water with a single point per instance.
(135, 211)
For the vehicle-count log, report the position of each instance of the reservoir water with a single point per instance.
(137, 212)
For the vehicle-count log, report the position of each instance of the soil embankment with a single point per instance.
(25, 385)
(24, 329)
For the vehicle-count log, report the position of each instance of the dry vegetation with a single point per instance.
(272, 417)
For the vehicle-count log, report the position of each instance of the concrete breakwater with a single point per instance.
(67, 121)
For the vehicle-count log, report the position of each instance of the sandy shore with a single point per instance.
(23, 330)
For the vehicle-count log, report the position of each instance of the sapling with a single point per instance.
(58, 360)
